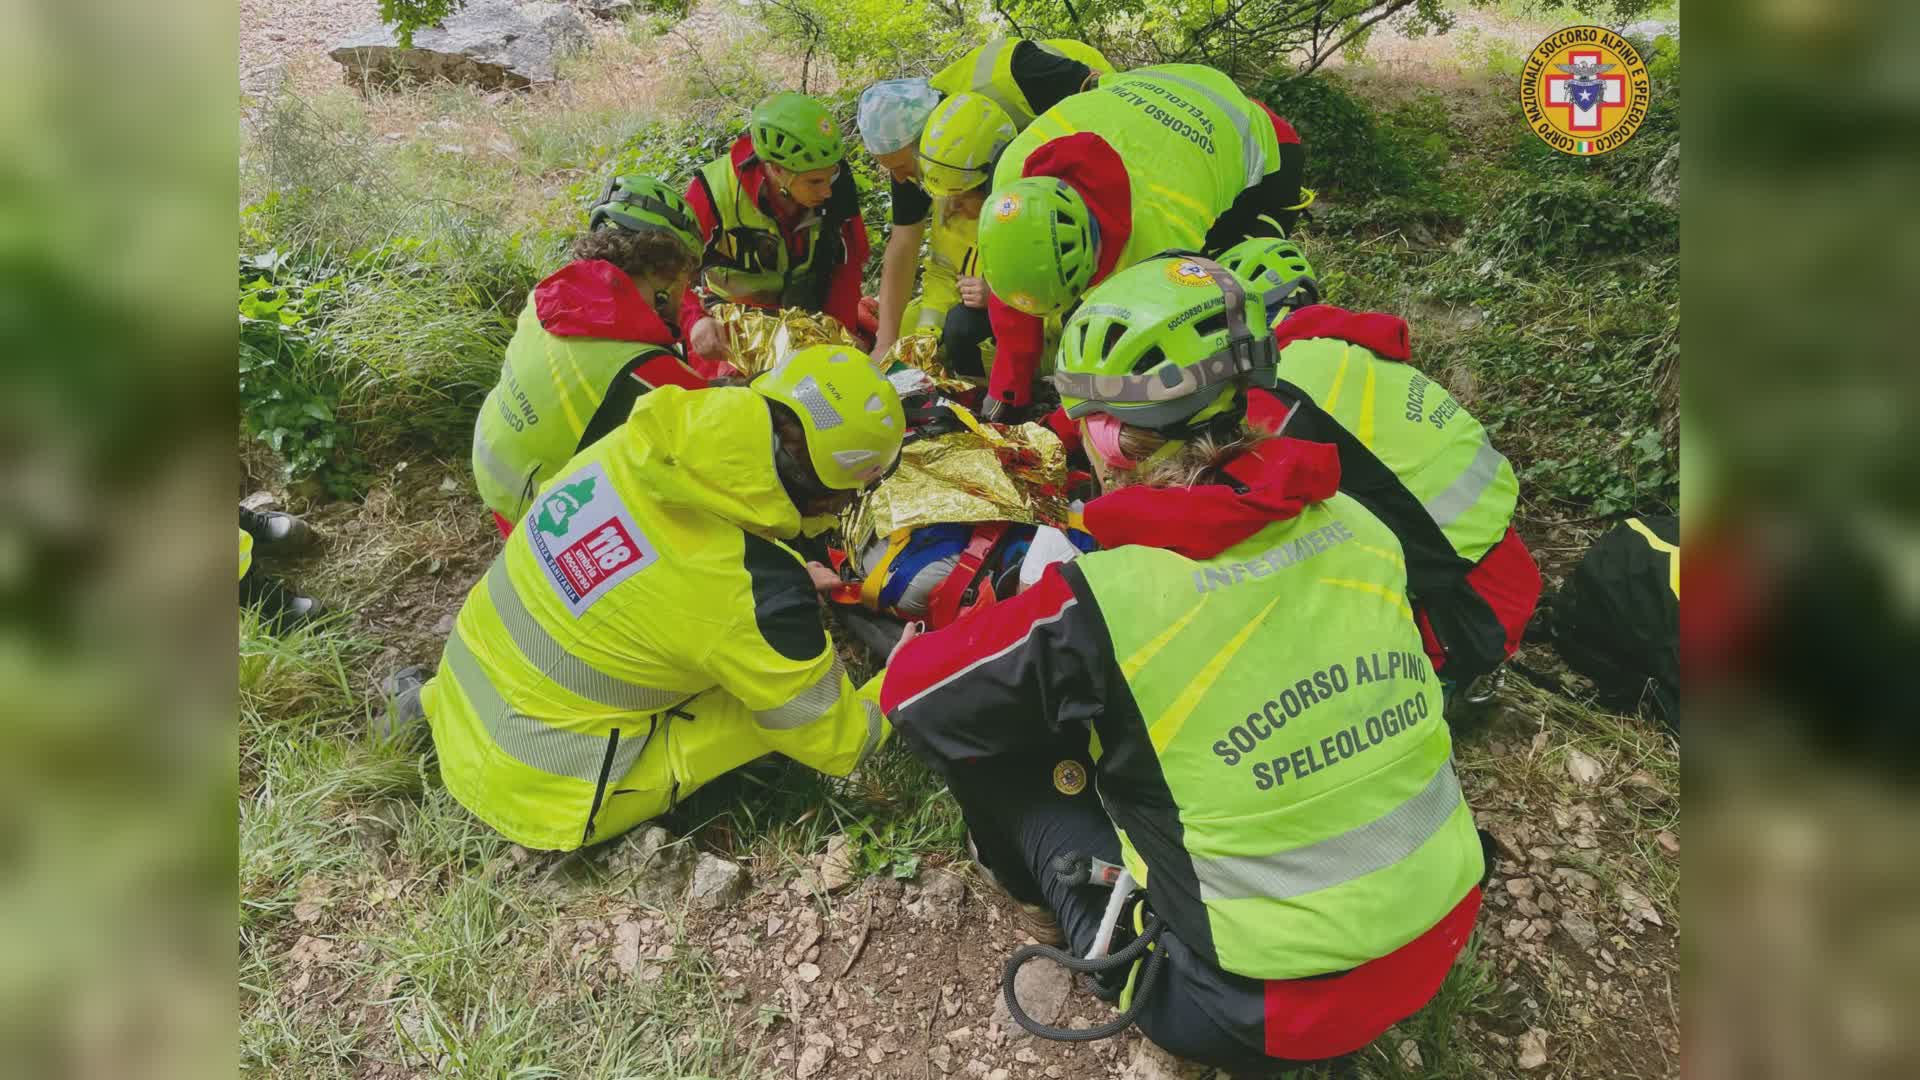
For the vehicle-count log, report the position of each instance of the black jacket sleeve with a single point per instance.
(1044, 77)
(1019, 674)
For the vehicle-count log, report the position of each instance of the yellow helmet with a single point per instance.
(852, 417)
(962, 140)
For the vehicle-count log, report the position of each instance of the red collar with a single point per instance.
(1281, 477)
(593, 298)
(1379, 333)
(754, 180)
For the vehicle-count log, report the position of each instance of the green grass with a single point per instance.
(1541, 289)
(440, 956)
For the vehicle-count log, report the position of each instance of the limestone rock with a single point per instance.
(492, 43)
(717, 882)
(1584, 768)
(652, 864)
(836, 866)
(610, 9)
(1152, 1063)
(1580, 929)
(1043, 988)
(1533, 1049)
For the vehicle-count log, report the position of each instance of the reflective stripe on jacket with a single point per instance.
(749, 259)
(988, 70)
(643, 631)
(1267, 735)
(1189, 139)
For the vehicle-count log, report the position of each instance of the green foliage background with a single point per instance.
(378, 285)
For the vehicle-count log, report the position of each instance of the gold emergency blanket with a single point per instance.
(920, 350)
(989, 472)
(760, 338)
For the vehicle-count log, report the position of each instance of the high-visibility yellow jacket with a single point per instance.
(644, 631)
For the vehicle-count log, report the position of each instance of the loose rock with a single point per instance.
(717, 882)
(1152, 1063)
(1042, 988)
(836, 866)
(1533, 1049)
(652, 864)
(1584, 768)
(1580, 929)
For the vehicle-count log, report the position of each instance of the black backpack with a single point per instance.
(1617, 619)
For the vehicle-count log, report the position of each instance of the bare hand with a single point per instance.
(709, 339)
(913, 630)
(824, 579)
(973, 291)
(882, 344)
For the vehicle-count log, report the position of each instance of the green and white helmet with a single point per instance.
(643, 204)
(1038, 245)
(1278, 269)
(1164, 345)
(795, 132)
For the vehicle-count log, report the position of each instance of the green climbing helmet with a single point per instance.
(795, 132)
(1277, 268)
(1164, 345)
(1038, 245)
(643, 204)
(963, 138)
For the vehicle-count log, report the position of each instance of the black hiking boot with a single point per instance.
(275, 532)
(281, 609)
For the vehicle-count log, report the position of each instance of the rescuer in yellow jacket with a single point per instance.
(1019, 79)
(646, 628)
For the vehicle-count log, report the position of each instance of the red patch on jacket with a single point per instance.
(1282, 476)
(593, 298)
(1093, 167)
(1508, 579)
(1311, 1019)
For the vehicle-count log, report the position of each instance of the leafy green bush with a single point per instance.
(1351, 149)
(289, 397)
(1565, 221)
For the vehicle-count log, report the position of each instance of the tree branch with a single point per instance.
(1393, 7)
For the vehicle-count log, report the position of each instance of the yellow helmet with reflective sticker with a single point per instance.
(963, 138)
(852, 417)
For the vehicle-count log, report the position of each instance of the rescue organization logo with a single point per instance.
(595, 542)
(1585, 90)
(1069, 777)
(1007, 207)
(1189, 273)
(826, 126)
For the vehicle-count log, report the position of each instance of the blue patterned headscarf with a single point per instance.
(893, 112)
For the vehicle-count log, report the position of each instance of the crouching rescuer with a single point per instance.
(646, 628)
(1229, 700)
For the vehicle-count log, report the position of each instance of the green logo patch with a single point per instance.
(559, 507)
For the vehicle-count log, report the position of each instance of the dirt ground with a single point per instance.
(888, 978)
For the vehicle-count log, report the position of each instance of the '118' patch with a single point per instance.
(586, 540)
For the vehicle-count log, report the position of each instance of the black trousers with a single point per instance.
(965, 330)
(1020, 822)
